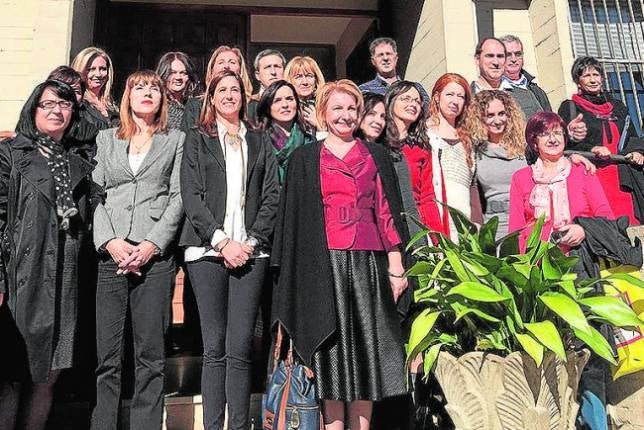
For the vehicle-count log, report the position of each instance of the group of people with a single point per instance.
(306, 187)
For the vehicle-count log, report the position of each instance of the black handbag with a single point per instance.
(291, 399)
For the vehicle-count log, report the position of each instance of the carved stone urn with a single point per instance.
(488, 392)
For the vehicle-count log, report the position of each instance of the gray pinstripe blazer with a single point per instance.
(145, 206)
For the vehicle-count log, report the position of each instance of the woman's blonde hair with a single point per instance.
(304, 65)
(513, 139)
(82, 63)
(324, 94)
(128, 127)
(243, 72)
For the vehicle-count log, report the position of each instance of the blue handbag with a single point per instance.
(290, 402)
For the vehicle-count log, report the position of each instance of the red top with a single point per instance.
(586, 198)
(356, 211)
(422, 172)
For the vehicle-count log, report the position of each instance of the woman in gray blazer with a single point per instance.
(138, 167)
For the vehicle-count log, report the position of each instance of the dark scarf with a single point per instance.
(58, 164)
(283, 146)
(602, 109)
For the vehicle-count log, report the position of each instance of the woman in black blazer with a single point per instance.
(230, 191)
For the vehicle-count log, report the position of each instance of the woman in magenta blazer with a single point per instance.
(554, 187)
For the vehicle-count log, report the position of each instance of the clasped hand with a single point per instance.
(235, 253)
(130, 258)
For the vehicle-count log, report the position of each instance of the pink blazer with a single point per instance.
(585, 196)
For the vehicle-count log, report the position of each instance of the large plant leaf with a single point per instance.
(475, 267)
(567, 309)
(531, 346)
(597, 343)
(463, 310)
(487, 234)
(421, 332)
(416, 238)
(546, 333)
(512, 276)
(462, 222)
(613, 310)
(508, 244)
(535, 236)
(476, 291)
(430, 357)
(457, 266)
(626, 277)
(420, 268)
(550, 269)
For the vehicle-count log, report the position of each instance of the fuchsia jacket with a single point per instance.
(585, 196)
(356, 212)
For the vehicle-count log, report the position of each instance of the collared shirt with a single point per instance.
(377, 86)
(522, 82)
(236, 165)
(480, 85)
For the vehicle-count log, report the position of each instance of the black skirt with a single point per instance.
(364, 359)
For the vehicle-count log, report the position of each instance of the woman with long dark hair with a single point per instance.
(406, 135)
(373, 119)
(180, 76)
(46, 195)
(230, 189)
(278, 114)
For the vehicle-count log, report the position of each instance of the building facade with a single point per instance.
(435, 36)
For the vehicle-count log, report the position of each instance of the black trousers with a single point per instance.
(228, 301)
(147, 299)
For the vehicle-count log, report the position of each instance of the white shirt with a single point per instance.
(236, 165)
(135, 161)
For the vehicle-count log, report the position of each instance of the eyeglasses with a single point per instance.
(51, 104)
(553, 133)
(409, 100)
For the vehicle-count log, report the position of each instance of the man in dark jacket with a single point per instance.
(525, 90)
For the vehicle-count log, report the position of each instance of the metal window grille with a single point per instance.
(613, 32)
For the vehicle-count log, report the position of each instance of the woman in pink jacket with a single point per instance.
(553, 187)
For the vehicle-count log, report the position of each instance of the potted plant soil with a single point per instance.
(501, 330)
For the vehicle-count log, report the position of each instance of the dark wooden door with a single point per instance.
(137, 35)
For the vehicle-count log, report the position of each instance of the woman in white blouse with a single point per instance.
(230, 190)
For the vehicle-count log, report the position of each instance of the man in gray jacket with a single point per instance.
(525, 90)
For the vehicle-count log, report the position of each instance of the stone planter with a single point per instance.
(626, 400)
(488, 392)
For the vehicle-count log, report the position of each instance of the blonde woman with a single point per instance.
(223, 58)
(306, 76)
(97, 106)
(496, 125)
(338, 243)
(138, 166)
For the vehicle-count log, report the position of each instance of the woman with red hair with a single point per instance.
(451, 144)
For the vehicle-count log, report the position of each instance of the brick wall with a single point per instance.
(34, 38)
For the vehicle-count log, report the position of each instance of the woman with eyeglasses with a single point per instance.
(46, 195)
(553, 187)
(599, 123)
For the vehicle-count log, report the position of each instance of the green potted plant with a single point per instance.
(497, 328)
